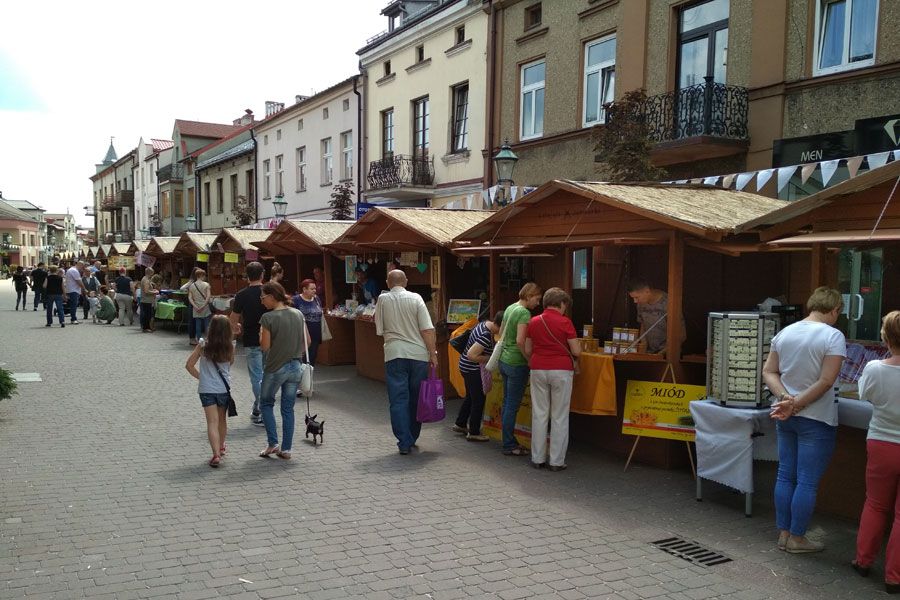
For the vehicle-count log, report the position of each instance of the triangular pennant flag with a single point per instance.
(682, 181)
(697, 181)
(763, 177)
(728, 180)
(878, 160)
(742, 180)
(853, 165)
(896, 154)
(784, 175)
(806, 171)
(711, 180)
(828, 169)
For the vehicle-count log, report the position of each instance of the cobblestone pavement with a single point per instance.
(105, 493)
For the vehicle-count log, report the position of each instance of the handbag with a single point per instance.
(326, 332)
(487, 379)
(232, 407)
(306, 377)
(431, 399)
(460, 342)
(493, 362)
(575, 366)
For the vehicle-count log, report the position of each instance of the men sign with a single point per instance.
(655, 409)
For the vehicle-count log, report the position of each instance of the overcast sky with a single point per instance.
(72, 74)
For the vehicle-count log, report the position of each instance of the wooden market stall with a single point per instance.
(420, 238)
(136, 249)
(192, 250)
(119, 256)
(165, 261)
(851, 235)
(299, 247)
(230, 252)
(591, 238)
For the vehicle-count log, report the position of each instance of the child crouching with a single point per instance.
(214, 357)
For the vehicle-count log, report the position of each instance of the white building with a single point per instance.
(65, 238)
(306, 149)
(146, 198)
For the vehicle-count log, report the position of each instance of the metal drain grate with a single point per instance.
(691, 552)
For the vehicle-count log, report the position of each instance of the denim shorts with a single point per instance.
(214, 400)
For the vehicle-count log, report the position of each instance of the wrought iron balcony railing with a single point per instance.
(125, 197)
(122, 235)
(171, 173)
(400, 171)
(706, 109)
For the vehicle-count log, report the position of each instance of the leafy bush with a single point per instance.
(7, 384)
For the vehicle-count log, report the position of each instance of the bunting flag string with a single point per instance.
(743, 179)
(762, 178)
(878, 160)
(784, 175)
(828, 168)
(853, 165)
(806, 172)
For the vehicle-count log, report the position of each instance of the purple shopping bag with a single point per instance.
(431, 399)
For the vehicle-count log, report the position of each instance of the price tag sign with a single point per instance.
(660, 410)
(231, 257)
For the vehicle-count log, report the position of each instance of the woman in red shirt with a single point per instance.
(552, 351)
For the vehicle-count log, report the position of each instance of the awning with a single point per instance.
(847, 236)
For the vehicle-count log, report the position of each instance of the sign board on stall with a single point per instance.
(231, 257)
(202, 257)
(145, 260)
(460, 311)
(127, 262)
(660, 410)
(349, 269)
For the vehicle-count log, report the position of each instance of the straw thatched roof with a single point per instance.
(104, 249)
(139, 245)
(92, 251)
(196, 241)
(243, 237)
(410, 227)
(121, 247)
(162, 245)
(321, 232)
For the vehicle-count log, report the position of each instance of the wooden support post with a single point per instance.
(674, 327)
(494, 285)
(817, 267)
(329, 283)
(444, 295)
(567, 273)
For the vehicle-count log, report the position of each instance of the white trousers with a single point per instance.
(551, 396)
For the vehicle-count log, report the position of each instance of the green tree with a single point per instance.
(623, 144)
(7, 384)
(341, 202)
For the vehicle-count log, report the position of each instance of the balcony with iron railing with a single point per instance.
(703, 121)
(399, 171)
(119, 235)
(171, 173)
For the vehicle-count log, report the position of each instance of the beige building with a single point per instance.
(225, 176)
(425, 104)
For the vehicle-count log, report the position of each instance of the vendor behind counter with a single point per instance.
(652, 309)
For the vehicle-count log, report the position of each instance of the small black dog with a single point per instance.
(315, 428)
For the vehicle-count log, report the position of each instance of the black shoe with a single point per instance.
(535, 465)
(62, 324)
(892, 588)
(48, 325)
(35, 310)
(558, 467)
(863, 571)
(404, 451)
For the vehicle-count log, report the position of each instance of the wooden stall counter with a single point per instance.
(341, 348)
(369, 350)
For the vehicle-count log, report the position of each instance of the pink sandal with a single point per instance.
(222, 450)
(214, 462)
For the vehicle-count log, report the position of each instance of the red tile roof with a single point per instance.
(160, 145)
(204, 130)
(238, 130)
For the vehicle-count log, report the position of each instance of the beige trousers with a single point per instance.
(551, 396)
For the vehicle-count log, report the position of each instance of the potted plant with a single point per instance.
(7, 384)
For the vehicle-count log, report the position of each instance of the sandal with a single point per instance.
(269, 451)
(214, 462)
(222, 450)
(517, 451)
(283, 455)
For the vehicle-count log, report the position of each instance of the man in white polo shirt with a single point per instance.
(74, 289)
(409, 345)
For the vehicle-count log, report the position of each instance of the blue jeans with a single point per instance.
(200, 326)
(255, 370)
(805, 447)
(404, 377)
(39, 296)
(57, 301)
(514, 380)
(74, 301)
(286, 379)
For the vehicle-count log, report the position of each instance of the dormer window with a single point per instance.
(392, 22)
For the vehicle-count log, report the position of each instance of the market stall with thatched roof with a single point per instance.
(193, 248)
(161, 253)
(230, 251)
(592, 238)
(419, 239)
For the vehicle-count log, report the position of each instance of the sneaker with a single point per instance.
(404, 451)
(48, 325)
(62, 324)
(558, 467)
(802, 546)
(257, 421)
(477, 437)
(457, 429)
(76, 322)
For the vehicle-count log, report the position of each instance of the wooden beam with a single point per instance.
(674, 329)
(817, 274)
(494, 284)
(329, 282)
(567, 272)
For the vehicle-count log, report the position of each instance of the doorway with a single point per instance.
(860, 278)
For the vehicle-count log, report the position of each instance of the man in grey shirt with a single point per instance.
(409, 346)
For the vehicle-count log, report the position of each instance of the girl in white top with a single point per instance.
(214, 357)
(880, 385)
(803, 364)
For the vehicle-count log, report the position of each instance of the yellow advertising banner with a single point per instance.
(660, 410)
(231, 257)
(202, 257)
(126, 261)
(112, 263)
(491, 426)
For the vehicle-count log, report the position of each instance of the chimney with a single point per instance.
(245, 119)
(300, 98)
(273, 107)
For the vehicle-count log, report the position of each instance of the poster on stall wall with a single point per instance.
(660, 410)
(493, 407)
(145, 260)
(231, 257)
(202, 257)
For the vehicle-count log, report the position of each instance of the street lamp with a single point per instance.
(280, 206)
(505, 162)
(143, 233)
(191, 221)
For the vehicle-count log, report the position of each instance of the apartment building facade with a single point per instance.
(146, 198)
(425, 104)
(305, 149)
(226, 176)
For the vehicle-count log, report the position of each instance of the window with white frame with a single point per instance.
(599, 78)
(387, 133)
(346, 104)
(845, 35)
(278, 135)
(267, 169)
(346, 155)
(327, 162)
(279, 175)
(266, 140)
(299, 124)
(324, 113)
(532, 100)
(301, 169)
(421, 127)
(460, 140)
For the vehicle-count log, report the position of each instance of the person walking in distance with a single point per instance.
(124, 287)
(409, 345)
(214, 357)
(246, 311)
(199, 297)
(307, 302)
(148, 293)
(20, 281)
(74, 289)
(38, 277)
(54, 296)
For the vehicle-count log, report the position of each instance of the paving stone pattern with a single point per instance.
(105, 493)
